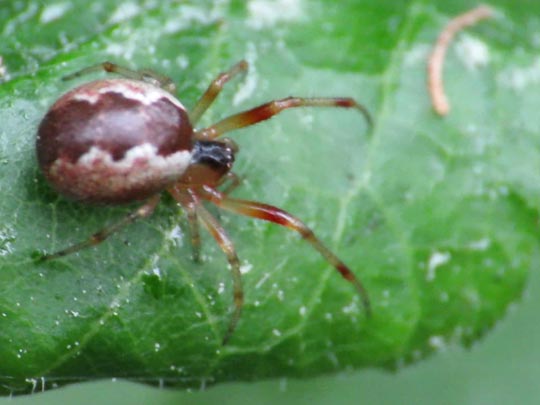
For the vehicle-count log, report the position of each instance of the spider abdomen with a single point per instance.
(114, 141)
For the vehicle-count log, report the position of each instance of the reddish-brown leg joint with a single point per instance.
(214, 89)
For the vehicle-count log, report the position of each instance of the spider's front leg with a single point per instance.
(268, 110)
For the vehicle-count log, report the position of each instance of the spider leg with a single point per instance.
(268, 110)
(214, 89)
(143, 211)
(234, 181)
(187, 197)
(144, 75)
(188, 204)
(194, 232)
(278, 216)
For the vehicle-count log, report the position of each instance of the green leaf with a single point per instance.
(438, 217)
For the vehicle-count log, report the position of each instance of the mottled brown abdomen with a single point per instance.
(114, 141)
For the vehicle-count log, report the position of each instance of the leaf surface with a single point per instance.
(438, 217)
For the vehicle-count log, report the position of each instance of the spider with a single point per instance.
(126, 139)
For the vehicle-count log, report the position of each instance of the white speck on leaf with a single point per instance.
(114, 304)
(435, 260)
(221, 288)
(307, 120)
(437, 342)
(481, 244)
(246, 268)
(176, 236)
(518, 78)
(472, 52)
(351, 308)
(53, 12)
(264, 278)
(123, 12)
(188, 16)
(7, 236)
(266, 13)
(281, 295)
(3, 70)
(417, 54)
(124, 50)
(182, 61)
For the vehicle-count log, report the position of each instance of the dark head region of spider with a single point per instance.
(217, 155)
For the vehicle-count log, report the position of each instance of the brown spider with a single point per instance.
(128, 139)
